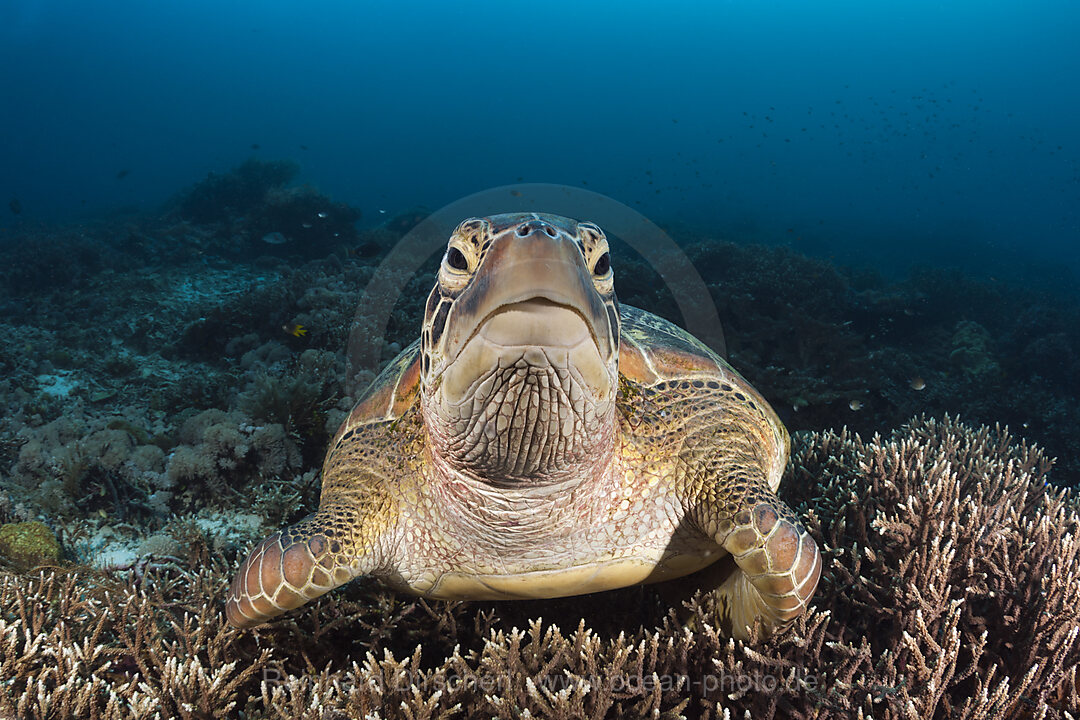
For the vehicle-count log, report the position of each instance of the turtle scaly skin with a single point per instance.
(541, 440)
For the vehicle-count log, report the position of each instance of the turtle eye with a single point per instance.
(456, 259)
(603, 264)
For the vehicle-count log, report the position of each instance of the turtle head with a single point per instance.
(520, 350)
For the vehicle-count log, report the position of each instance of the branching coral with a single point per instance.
(956, 566)
(69, 648)
(951, 591)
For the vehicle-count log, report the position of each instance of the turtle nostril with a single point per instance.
(528, 228)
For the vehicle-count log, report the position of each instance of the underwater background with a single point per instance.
(882, 200)
(898, 133)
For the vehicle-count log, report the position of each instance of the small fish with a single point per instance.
(122, 174)
(382, 212)
(855, 405)
(306, 226)
(255, 146)
(515, 193)
(15, 206)
(303, 147)
(274, 238)
(917, 383)
(323, 214)
(295, 329)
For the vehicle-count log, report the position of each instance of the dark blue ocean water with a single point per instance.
(885, 132)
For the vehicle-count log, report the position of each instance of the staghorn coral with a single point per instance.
(951, 591)
(71, 648)
(956, 565)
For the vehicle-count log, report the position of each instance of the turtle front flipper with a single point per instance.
(773, 570)
(778, 567)
(289, 568)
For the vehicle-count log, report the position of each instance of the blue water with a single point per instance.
(884, 132)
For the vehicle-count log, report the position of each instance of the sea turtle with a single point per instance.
(541, 440)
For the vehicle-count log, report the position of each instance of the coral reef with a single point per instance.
(972, 351)
(951, 592)
(27, 545)
(958, 566)
(220, 197)
(259, 214)
(832, 346)
(219, 451)
(159, 417)
(310, 224)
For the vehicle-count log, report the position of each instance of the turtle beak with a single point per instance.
(533, 289)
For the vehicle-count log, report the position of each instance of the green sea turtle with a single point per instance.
(541, 440)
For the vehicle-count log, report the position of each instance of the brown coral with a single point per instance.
(954, 573)
(951, 591)
(27, 545)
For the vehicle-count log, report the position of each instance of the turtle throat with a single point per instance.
(529, 400)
